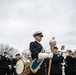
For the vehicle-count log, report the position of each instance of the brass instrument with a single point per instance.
(70, 53)
(74, 54)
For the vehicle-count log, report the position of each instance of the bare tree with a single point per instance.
(6, 47)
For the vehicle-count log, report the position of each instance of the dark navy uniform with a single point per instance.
(75, 64)
(70, 65)
(56, 67)
(14, 65)
(35, 49)
(5, 65)
(0, 64)
(11, 71)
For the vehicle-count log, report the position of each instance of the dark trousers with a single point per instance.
(14, 71)
(0, 71)
(11, 71)
(70, 74)
(5, 71)
(55, 74)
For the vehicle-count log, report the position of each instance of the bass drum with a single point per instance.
(23, 67)
(19, 66)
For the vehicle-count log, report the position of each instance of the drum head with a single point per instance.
(19, 66)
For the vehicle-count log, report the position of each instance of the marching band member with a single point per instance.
(11, 66)
(5, 61)
(56, 67)
(0, 64)
(15, 61)
(75, 61)
(38, 66)
(70, 64)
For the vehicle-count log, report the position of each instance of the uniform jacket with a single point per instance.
(70, 64)
(12, 62)
(35, 48)
(56, 66)
(5, 62)
(0, 60)
(75, 64)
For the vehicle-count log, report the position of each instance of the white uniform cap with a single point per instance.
(38, 33)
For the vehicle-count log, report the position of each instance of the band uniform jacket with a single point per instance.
(0, 60)
(75, 64)
(35, 49)
(5, 62)
(70, 65)
(0, 63)
(14, 62)
(14, 65)
(56, 67)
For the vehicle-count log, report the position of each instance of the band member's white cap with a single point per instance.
(38, 33)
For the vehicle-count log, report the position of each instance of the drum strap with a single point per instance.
(36, 65)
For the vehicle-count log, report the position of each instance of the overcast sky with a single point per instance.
(19, 19)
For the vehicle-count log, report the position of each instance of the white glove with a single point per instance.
(14, 66)
(6, 56)
(9, 65)
(45, 55)
(64, 55)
